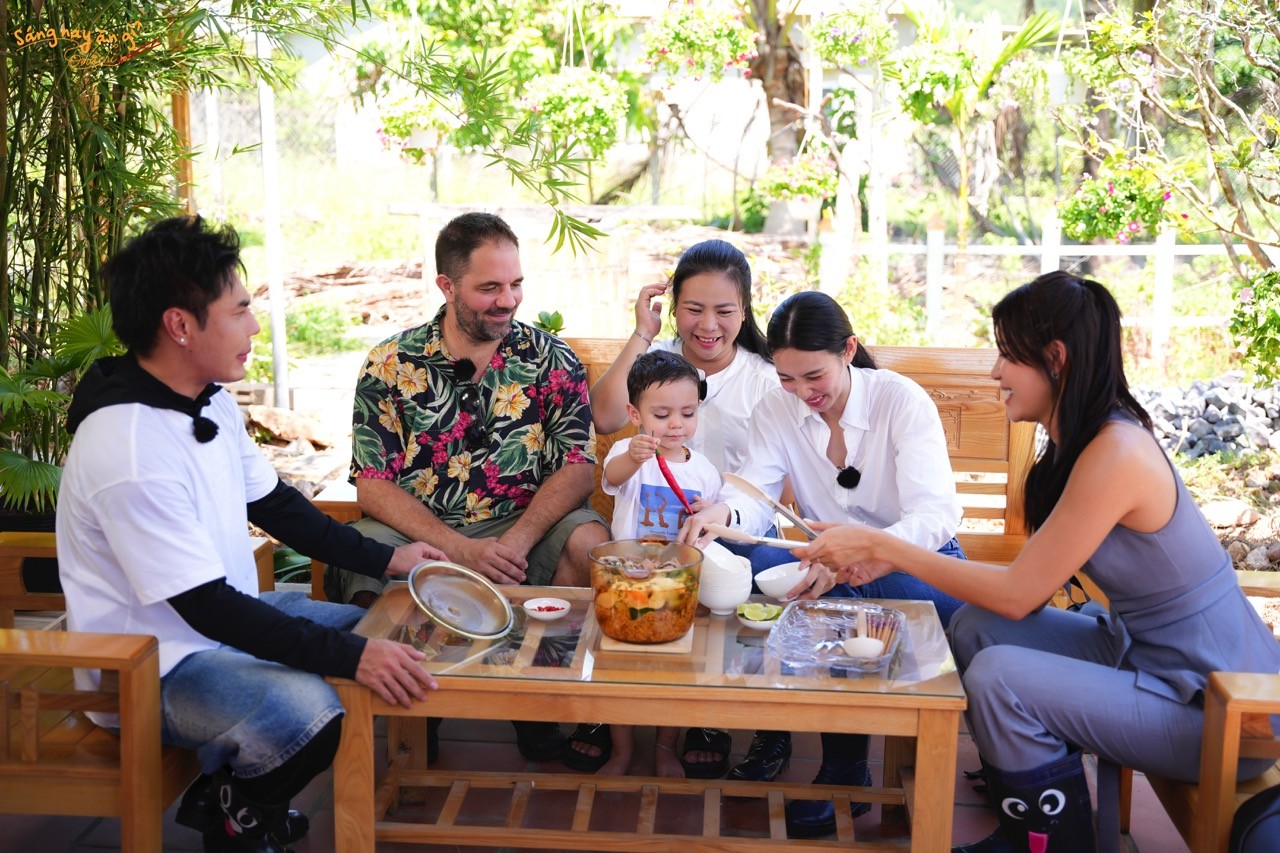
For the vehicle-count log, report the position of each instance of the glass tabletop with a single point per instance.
(720, 651)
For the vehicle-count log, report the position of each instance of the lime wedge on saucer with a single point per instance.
(759, 612)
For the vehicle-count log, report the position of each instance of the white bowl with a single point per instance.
(718, 561)
(723, 598)
(761, 625)
(780, 580)
(531, 607)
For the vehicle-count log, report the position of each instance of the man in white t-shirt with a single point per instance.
(159, 485)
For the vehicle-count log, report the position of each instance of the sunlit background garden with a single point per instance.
(914, 159)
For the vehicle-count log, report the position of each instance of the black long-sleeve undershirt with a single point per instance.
(223, 613)
(288, 516)
(226, 615)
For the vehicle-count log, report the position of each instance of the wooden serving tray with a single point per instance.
(682, 646)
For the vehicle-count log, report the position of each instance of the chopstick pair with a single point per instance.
(753, 491)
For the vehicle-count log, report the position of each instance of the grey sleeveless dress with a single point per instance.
(1127, 685)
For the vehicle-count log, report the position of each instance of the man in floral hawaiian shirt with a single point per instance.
(473, 431)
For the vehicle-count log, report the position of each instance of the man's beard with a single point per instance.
(477, 326)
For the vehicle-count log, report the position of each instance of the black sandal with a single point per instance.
(592, 734)
(538, 741)
(706, 740)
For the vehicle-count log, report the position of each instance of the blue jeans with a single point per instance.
(893, 585)
(234, 709)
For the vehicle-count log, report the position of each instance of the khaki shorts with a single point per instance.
(341, 585)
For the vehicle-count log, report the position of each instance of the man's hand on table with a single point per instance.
(394, 671)
(407, 556)
(492, 558)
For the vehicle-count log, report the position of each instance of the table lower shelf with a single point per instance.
(592, 794)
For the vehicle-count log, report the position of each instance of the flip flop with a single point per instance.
(592, 734)
(706, 740)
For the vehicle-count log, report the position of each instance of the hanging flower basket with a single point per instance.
(581, 107)
(856, 36)
(700, 39)
(415, 127)
(809, 178)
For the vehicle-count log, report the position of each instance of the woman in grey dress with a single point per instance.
(1043, 683)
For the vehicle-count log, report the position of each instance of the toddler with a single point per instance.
(664, 392)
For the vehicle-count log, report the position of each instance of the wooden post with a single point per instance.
(1162, 297)
(182, 169)
(1050, 244)
(934, 269)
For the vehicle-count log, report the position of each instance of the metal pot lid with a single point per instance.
(461, 600)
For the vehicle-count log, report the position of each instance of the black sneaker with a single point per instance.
(768, 756)
(815, 818)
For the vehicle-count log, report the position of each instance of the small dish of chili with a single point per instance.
(546, 609)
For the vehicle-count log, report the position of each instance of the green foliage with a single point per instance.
(946, 77)
(857, 35)
(700, 38)
(461, 70)
(1120, 204)
(1255, 325)
(1195, 87)
(754, 209)
(311, 329)
(550, 322)
(582, 107)
(1222, 475)
(33, 410)
(881, 315)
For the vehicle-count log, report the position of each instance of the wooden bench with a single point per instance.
(17, 548)
(989, 456)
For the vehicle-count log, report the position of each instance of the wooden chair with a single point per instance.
(53, 760)
(1237, 709)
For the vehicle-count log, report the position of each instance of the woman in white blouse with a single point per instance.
(860, 445)
(717, 333)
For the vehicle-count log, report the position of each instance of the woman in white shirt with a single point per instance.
(717, 332)
(860, 445)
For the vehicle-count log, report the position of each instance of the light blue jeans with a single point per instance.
(234, 709)
(893, 585)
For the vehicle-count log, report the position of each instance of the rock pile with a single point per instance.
(1223, 415)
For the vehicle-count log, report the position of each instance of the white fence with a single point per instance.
(1051, 251)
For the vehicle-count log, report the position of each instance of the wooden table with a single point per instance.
(556, 671)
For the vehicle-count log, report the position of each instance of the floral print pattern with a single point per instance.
(412, 427)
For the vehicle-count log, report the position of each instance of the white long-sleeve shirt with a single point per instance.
(892, 434)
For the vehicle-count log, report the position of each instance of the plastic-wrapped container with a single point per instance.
(812, 633)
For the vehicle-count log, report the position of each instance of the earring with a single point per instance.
(183, 342)
(1053, 374)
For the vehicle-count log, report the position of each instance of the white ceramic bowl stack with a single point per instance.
(725, 581)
